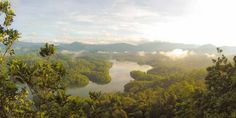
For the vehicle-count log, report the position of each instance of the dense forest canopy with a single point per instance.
(33, 86)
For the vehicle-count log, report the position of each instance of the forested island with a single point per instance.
(34, 85)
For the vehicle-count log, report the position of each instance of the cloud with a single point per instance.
(30, 36)
(74, 53)
(95, 21)
(84, 18)
(210, 55)
(141, 53)
(62, 22)
(177, 54)
(131, 12)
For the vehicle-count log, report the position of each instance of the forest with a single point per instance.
(34, 85)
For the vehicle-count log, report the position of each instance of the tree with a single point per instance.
(44, 79)
(44, 94)
(48, 50)
(13, 102)
(219, 100)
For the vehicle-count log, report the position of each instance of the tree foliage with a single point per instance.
(47, 51)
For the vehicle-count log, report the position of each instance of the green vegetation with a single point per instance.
(80, 71)
(139, 75)
(48, 50)
(98, 77)
(164, 92)
(77, 80)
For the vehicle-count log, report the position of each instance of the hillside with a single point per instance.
(25, 47)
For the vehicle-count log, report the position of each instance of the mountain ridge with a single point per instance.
(122, 47)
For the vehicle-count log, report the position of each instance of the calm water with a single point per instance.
(120, 74)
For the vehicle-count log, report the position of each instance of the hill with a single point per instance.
(26, 47)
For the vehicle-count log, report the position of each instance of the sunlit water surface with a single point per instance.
(120, 74)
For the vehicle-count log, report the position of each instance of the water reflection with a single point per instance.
(120, 74)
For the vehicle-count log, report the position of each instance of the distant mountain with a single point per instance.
(208, 48)
(25, 47)
(119, 47)
(164, 46)
(229, 49)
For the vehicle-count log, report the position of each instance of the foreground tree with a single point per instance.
(219, 100)
(29, 89)
(13, 102)
(44, 81)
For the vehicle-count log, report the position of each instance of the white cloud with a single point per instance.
(74, 53)
(183, 21)
(177, 54)
(62, 22)
(210, 55)
(131, 12)
(31, 36)
(84, 18)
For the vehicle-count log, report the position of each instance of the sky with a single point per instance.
(127, 21)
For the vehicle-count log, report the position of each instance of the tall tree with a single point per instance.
(13, 102)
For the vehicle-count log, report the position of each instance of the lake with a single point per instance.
(120, 74)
